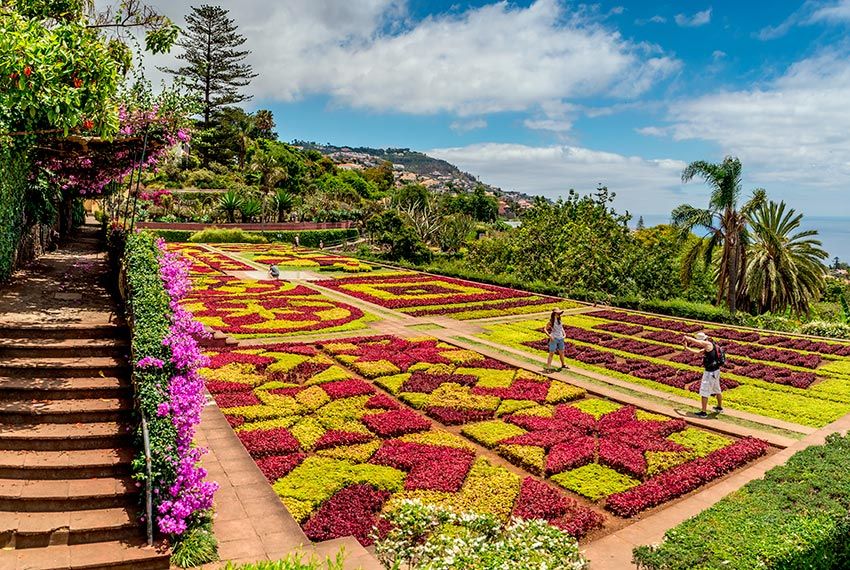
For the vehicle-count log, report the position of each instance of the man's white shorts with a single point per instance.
(710, 384)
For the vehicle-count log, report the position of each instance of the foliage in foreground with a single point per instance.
(294, 562)
(425, 537)
(198, 545)
(796, 517)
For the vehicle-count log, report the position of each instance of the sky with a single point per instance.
(547, 95)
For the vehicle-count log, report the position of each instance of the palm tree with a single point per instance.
(784, 269)
(725, 226)
(229, 203)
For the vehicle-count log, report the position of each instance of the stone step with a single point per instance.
(59, 495)
(13, 388)
(62, 331)
(38, 530)
(64, 437)
(73, 464)
(113, 555)
(62, 347)
(63, 367)
(65, 411)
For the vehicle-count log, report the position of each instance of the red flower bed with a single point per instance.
(620, 328)
(351, 512)
(224, 358)
(511, 304)
(431, 467)
(334, 438)
(347, 388)
(381, 402)
(276, 466)
(396, 422)
(685, 478)
(566, 456)
(236, 399)
(218, 387)
(519, 390)
(263, 442)
(537, 500)
(454, 416)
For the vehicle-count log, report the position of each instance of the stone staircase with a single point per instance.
(66, 497)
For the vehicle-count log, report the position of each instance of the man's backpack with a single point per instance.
(719, 356)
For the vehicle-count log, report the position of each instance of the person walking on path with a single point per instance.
(712, 359)
(555, 330)
(297, 241)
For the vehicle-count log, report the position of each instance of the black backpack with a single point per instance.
(719, 359)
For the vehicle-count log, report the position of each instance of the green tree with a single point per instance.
(229, 203)
(215, 68)
(395, 234)
(725, 225)
(382, 175)
(785, 267)
(455, 231)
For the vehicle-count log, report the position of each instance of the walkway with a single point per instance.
(66, 496)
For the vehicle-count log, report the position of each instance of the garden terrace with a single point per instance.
(265, 309)
(287, 256)
(795, 386)
(341, 431)
(419, 295)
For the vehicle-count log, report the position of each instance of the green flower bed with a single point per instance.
(796, 517)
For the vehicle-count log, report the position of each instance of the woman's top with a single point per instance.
(557, 330)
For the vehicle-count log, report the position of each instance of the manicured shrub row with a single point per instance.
(795, 517)
(308, 238)
(338, 453)
(816, 406)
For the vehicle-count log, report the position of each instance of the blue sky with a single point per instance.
(543, 96)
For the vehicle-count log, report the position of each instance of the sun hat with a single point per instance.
(701, 336)
(558, 310)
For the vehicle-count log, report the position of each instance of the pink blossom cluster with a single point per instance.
(155, 196)
(189, 493)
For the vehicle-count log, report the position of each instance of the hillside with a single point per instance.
(412, 166)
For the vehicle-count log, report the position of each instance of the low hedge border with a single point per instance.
(796, 517)
(308, 238)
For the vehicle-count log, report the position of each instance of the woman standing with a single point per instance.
(555, 330)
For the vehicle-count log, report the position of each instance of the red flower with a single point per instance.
(431, 467)
(263, 442)
(333, 438)
(347, 388)
(351, 512)
(27, 71)
(454, 417)
(396, 423)
(685, 478)
(427, 383)
(276, 466)
(88, 124)
(236, 399)
(218, 386)
(381, 402)
(537, 500)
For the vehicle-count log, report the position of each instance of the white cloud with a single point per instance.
(641, 185)
(553, 125)
(658, 19)
(792, 133)
(470, 125)
(698, 19)
(717, 55)
(835, 12)
(653, 131)
(498, 57)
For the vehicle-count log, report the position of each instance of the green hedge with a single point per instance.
(150, 320)
(796, 517)
(14, 166)
(309, 238)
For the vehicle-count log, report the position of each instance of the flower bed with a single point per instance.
(811, 397)
(203, 261)
(338, 453)
(451, 385)
(254, 309)
(287, 256)
(421, 295)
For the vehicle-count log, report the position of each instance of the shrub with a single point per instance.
(294, 562)
(823, 328)
(432, 538)
(795, 517)
(196, 546)
(221, 235)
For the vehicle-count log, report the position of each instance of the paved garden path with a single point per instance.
(66, 496)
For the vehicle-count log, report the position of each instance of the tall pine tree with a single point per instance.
(215, 66)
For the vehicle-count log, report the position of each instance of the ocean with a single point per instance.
(833, 232)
